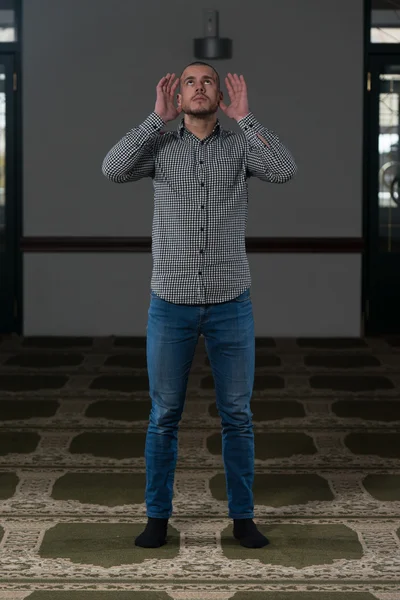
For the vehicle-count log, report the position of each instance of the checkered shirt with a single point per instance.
(200, 201)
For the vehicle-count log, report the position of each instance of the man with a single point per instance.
(201, 281)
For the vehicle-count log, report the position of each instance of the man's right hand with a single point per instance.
(165, 105)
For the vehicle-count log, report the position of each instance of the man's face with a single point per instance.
(199, 95)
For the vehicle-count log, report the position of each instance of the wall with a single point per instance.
(89, 75)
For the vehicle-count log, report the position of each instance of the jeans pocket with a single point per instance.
(244, 297)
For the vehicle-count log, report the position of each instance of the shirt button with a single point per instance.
(202, 229)
(202, 162)
(246, 128)
(202, 206)
(199, 272)
(202, 184)
(201, 251)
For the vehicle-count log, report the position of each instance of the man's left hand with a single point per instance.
(237, 90)
(239, 106)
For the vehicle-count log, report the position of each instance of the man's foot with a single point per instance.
(154, 535)
(245, 530)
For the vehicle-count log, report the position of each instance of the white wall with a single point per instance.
(90, 68)
(108, 294)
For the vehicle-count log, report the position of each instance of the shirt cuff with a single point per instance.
(249, 125)
(152, 124)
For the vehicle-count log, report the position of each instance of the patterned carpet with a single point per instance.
(73, 420)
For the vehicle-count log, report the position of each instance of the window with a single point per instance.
(385, 22)
(8, 25)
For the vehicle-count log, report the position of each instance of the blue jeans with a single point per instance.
(173, 331)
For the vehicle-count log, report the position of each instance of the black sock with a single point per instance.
(154, 535)
(245, 530)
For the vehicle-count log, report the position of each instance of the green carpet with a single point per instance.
(73, 421)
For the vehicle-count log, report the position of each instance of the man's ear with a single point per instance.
(221, 97)
(179, 99)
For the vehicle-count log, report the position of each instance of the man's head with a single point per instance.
(200, 92)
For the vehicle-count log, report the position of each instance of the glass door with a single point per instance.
(8, 221)
(383, 277)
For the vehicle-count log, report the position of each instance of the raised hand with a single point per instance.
(237, 90)
(165, 102)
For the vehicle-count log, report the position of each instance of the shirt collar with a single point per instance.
(181, 128)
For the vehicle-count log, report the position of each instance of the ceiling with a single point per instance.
(385, 4)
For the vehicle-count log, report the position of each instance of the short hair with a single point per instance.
(199, 62)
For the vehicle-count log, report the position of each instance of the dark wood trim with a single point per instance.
(9, 258)
(143, 244)
(365, 267)
(19, 317)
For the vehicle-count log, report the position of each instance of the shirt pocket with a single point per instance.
(229, 170)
